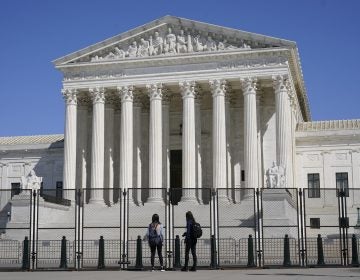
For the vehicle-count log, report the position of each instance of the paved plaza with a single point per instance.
(244, 274)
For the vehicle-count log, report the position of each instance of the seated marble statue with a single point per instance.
(143, 49)
(132, 50)
(181, 43)
(31, 182)
(157, 44)
(210, 44)
(275, 176)
(170, 43)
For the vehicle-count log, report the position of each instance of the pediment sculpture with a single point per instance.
(31, 181)
(275, 176)
(168, 44)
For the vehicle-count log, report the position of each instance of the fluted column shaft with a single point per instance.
(137, 160)
(250, 132)
(155, 143)
(218, 89)
(283, 126)
(69, 171)
(198, 148)
(188, 141)
(109, 151)
(126, 137)
(97, 146)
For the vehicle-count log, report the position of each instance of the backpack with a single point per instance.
(197, 230)
(154, 238)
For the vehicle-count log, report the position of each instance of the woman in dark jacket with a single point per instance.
(190, 242)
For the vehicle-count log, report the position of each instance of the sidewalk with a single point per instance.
(244, 274)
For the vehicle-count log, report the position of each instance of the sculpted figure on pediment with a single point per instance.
(199, 46)
(210, 44)
(132, 50)
(170, 43)
(143, 49)
(181, 43)
(119, 53)
(156, 44)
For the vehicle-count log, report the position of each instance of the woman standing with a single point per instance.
(190, 242)
(155, 236)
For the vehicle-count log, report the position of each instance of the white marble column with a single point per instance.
(82, 138)
(229, 169)
(109, 149)
(155, 143)
(166, 139)
(97, 146)
(218, 90)
(188, 93)
(126, 138)
(69, 171)
(283, 125)
(137, 157)
(250, 132)
(198, 100)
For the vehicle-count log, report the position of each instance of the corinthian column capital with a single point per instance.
(154, 91)
(248, 85)
(281, 83)
(126, 93)
(97, 94)
(218, 87)
(70, 96)
(188, 89)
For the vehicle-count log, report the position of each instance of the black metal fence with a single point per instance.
(105, 228)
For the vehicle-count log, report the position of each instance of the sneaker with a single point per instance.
(184, 269)
(162, 268)
(193, 268)
(152, 269)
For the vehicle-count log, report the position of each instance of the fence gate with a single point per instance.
(236, 224)
(140, 210)
(101, 224)
(200, 203)
(55, 238)
(15, 227)
(280, 222)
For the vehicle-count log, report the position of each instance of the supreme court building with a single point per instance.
(177, 103)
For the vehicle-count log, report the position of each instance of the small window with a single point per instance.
(59, 189)
(242, 175)
(15, 189)
(342, 183)
(314, 185)
(314, 222)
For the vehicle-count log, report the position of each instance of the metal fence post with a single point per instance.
(320, 251)
(139, 262)
(26, 254)
(251, 261)
(177, 262)
(354, 251)
(63, 259)
(287, 261)
(213, 264)
(101, 259)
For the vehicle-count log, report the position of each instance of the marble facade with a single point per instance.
(233, 102)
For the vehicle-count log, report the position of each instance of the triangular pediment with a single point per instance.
(169, 36)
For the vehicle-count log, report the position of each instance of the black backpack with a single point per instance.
(154, 238)
(197, 230)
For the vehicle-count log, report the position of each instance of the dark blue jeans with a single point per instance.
(153, 249)
(190, 244)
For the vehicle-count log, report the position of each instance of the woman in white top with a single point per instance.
(155, 236)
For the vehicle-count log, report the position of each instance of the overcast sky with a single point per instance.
(35, 32)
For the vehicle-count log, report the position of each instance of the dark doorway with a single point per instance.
(175, 175)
